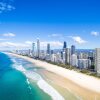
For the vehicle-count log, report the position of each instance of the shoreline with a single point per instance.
(85, 81)
(41, 83)
(68, 89)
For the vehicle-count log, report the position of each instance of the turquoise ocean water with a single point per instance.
(14, 84)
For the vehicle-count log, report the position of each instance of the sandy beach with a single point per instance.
(79, 84)
(69, 89)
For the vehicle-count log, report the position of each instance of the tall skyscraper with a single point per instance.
(97, 60)
(72, 49)
(48, 48)
(33, 49)
(68, 55)
(65, 45)
(38, 48)
(61, 54)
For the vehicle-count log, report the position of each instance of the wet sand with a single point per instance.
(68, 89)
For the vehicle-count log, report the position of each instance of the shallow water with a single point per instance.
(14, 84)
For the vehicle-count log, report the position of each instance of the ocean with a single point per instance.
(19, 80)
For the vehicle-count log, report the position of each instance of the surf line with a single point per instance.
(40, 82)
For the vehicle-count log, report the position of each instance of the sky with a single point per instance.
(52, 21)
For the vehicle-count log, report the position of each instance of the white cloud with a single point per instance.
(28, 44)
(44, 43)
(94, 33)
(4, 6)
(78, 39)
(52, 43)
(13, 45)
(57, 36)
(9, 34)
(10, 7)
(54, 35)
(3, 39)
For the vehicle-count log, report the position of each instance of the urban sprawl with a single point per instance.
(72, 57)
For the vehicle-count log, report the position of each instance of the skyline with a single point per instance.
(76, 22)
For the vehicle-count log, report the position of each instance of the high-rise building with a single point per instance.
(67, 57)
(38, 48)
(56, 58)
(84, 63)
(74, 60)
(72, 49)
(29, 52)
(52, 52)
(58, 55)
(33, 49)
(65, 45)
(64, 57)
(48, 48)
(97, 60)
(61, 54)
(53, 58)
(42, 54)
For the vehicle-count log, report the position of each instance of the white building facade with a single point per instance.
(74, 60)
(97, 60)
(84, 63)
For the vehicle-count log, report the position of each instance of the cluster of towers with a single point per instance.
(65, 55)
(68, 56)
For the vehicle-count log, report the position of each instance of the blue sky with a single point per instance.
(74, 21)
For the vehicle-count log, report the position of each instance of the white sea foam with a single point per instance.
(44, 85)
(49, 90)
(27, 81)
(40, 82)
(13, 60)
(33, 75)
(29, 87)
(20, 68)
